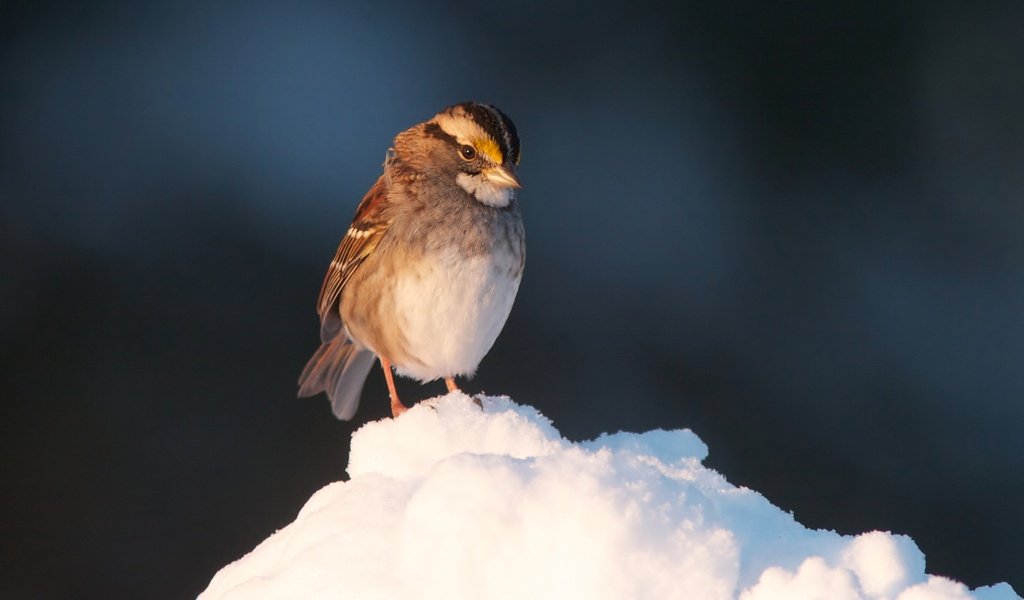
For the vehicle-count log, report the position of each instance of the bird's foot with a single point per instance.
(397, 408)
(453, 387)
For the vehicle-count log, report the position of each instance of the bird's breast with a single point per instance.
(450, 308)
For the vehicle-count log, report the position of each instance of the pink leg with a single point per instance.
(397, 407)
(450, 382)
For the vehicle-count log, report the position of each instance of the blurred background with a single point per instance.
(795, 228)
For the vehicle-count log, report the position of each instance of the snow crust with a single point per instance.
(451, 501)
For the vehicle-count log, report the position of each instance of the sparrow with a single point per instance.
(427, 272)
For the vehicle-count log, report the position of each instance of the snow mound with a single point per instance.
(450, 501)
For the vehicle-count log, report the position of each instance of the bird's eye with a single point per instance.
(467, 152)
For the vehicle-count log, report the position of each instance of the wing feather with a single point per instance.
(369, 226)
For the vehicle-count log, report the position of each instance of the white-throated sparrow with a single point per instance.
(427, 272)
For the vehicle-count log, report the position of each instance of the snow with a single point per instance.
(451, 501)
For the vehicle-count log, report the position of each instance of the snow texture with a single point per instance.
(450, 501)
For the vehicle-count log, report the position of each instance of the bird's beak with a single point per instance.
(503, 177)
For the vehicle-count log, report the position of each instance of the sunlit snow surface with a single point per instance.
(451, 502)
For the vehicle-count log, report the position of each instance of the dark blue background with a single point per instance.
(795, 228)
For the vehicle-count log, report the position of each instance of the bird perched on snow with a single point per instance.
(425, 276)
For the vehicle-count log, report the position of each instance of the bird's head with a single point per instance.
(477, 144)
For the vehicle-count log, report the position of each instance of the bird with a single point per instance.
(426, 274)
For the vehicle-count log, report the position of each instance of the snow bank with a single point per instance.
(449, 501)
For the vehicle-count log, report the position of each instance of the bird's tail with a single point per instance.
(339, 369)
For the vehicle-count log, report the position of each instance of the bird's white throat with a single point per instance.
(484, 190)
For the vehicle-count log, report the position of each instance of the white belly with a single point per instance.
(450, 310)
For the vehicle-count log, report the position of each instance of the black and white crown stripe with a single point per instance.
(498, 125)
(469, 120)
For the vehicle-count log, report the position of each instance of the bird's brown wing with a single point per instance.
(369, 226)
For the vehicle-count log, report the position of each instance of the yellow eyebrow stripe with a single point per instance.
(490, 149)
